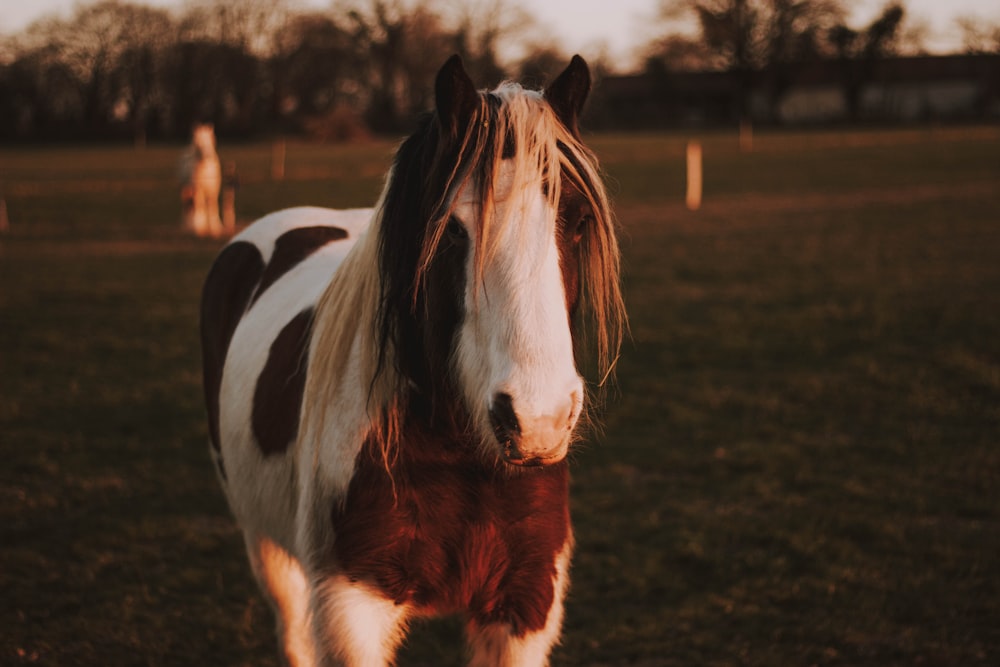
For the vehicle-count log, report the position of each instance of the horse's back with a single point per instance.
(256, 317)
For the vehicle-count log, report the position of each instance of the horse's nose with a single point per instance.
(533, 440)
(506, 428)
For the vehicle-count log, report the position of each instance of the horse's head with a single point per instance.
(203, 138)
(498, 224)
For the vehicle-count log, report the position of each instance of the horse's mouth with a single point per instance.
(512, 456)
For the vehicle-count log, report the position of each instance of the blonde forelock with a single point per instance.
(544, 151)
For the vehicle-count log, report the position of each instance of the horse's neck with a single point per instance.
(343, 400)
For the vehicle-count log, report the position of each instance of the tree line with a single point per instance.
(765, 43)
(119, 69)
(124, 69)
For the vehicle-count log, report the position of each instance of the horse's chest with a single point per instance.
(457, 538)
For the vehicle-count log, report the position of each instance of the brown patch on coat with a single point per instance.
(277, 398)
(294, 246)
(449, 533)
(224, 300)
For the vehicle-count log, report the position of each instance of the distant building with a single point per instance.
(911, 89)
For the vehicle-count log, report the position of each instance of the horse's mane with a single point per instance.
(374, 304)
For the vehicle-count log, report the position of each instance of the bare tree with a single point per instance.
(115, 67)
(248, 25)
(682, 53)
(482, 26)
(792, 36)
(858, 52)
(794, 29)
(979, 36)
(540, 64)
(316, 67)
(403, 44)
(135, 77)
(39, 96)
(750, 38)
(217, 83)
(95, 45)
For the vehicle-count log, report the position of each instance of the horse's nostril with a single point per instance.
(504, 419)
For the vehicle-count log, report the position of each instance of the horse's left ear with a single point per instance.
(568, 92)
(455, 97)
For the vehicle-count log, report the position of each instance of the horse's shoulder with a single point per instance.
(266, 232)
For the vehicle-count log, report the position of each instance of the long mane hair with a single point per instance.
(376, 307)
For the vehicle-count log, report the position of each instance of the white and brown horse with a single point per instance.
(392, 392)
(201, 181)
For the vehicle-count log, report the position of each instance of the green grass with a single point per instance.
(800, 464)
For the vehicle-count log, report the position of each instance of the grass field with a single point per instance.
(801, 465)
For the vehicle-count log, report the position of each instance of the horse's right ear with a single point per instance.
(455, 97)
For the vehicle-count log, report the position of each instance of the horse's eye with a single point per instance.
(581, 227)
(456, 231)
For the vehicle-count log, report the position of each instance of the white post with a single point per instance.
(278, 160)
(694, 175)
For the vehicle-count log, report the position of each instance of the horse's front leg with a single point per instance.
(502, 645)
(499, 646)
(355, 626)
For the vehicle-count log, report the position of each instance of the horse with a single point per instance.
(201, 180)
(392, 392)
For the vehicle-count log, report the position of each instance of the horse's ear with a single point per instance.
(568, 92)
(455, 96)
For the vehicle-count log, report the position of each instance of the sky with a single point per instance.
(614, 26)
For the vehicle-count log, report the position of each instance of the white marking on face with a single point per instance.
(515, 337)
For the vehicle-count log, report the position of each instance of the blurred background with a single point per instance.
(148, 71)
(800, 461)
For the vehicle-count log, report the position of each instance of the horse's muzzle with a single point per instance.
(508, 432)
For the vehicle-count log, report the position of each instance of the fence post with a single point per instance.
(693, 175)
(746, 136)
(278, 160)
(230, 181)
(4, 220)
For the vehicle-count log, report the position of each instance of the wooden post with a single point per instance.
(229, 184)
(694, 175)
(746, 136)
(278, 160)
(4, 220)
